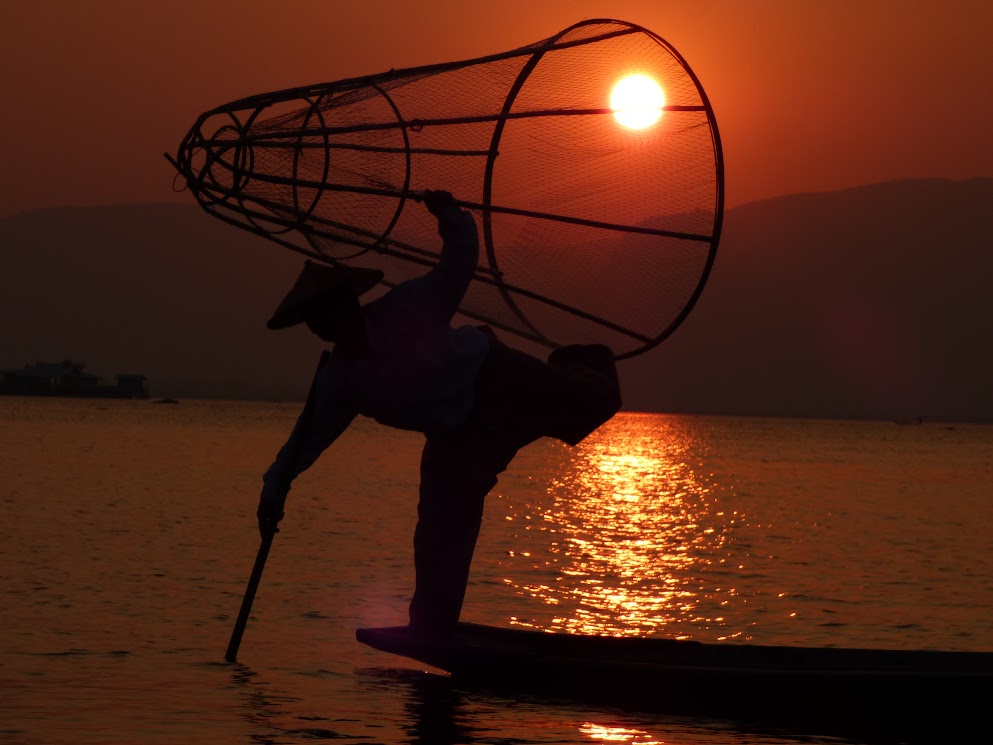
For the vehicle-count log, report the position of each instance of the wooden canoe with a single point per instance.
(919, 690)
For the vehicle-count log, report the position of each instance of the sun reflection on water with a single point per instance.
(601, 733)
(630, 537)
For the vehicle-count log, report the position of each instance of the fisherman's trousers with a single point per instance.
(518, 399)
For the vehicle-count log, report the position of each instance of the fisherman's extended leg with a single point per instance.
(455, 479)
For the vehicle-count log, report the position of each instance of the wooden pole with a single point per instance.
(253, 583)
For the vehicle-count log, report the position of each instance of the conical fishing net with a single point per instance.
(599, 210)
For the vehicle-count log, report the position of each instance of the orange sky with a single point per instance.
(810, 95)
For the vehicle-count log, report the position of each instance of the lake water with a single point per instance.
(129, 535)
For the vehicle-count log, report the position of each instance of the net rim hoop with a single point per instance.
(541, 49)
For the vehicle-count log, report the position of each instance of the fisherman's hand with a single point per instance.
(438, 202)
(270, 512)
(454, 223)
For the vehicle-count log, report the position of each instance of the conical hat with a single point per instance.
(321, 282)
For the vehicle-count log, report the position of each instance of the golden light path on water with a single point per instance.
(629, 539)
(601, 733)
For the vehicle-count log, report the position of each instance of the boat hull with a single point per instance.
(900, 693)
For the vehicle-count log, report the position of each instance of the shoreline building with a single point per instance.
(68, 378)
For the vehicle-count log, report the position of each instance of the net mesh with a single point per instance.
(591, 231)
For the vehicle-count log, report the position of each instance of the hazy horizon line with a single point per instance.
(727, 207)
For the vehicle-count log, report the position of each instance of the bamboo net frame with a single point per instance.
(591, 232)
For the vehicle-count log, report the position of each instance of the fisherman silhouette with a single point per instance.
(398, 360)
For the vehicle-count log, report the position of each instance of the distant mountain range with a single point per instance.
(868, 302)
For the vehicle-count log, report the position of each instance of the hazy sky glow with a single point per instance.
(809, 96)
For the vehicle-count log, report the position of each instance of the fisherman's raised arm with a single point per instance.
(450, 278)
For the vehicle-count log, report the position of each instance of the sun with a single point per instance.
(637, 101)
